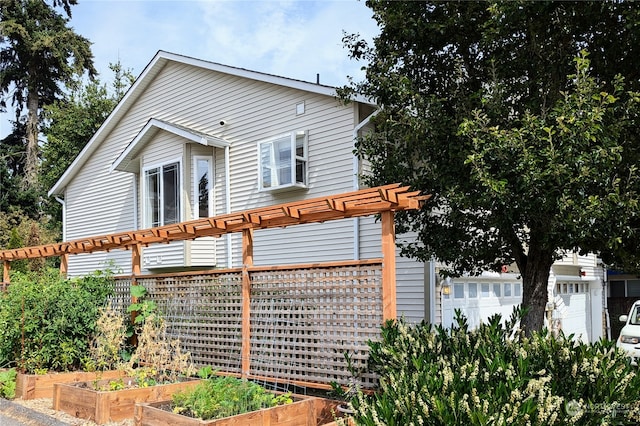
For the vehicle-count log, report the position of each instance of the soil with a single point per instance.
(44, 406)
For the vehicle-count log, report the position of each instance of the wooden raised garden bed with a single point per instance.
(305, 411)
(33, 386)
(81, 400)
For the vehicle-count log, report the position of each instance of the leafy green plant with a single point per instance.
(495, 375)
(46, 321)
(220, 397)
(8, 383)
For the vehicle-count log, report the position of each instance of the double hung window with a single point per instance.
(162, 195)
(282, 161)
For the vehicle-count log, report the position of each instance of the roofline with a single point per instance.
(155, 65)
(188, 134)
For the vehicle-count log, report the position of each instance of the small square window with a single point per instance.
(473, 290)
(485, 290)
(458, 291)
(282, 161)
(496, 290)
(300, 108)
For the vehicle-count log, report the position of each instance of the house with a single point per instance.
(194, 138)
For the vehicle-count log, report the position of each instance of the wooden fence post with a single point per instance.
(135, 271)
(5, 273)
(388, 266)
(64, 265)
(247, 261)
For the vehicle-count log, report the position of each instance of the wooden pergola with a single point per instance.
(383, 200)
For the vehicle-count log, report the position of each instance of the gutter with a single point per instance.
(356, 182)
(64, 218)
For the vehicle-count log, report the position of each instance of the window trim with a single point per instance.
(196, 185)
(294, 158)
(143, 182)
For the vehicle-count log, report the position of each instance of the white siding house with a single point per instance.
(193, 138)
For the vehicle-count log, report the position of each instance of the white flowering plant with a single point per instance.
(495, 375)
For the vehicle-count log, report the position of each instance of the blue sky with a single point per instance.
(295, 38)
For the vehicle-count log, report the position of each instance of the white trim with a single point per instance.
(124, 160)
(227, 190)
(293, 137)
(147, 76)
(144, 191)
(196, 189)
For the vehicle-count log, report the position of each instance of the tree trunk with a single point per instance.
(31, 166)
(535, 280)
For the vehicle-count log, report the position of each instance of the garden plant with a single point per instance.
(495, 375)
(47, 321)
(219, 397)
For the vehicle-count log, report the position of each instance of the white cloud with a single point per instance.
(296, 39)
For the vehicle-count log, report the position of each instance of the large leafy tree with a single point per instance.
(69, 123)
(519, 117)
(39, 55)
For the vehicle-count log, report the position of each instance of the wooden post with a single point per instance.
(5, 274)
(64, 265)
(388, 266)
(247, 261)
(135, 271)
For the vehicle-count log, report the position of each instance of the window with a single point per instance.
(283, 161)
(458, 291)
(162, 195)
(507, 290)
(473, 290)
(496, 290)
(202, 187)
(485, 292)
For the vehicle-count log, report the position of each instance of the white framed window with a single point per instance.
(282, 161)
(473, 290)
(202, 187)
(161, 195)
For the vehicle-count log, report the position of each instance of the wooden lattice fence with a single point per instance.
(303, 318)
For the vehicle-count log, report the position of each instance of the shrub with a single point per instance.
(495, 375)
(8, 383)
(220, 397)
(46, 321)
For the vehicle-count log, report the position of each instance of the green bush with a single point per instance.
(8, 383)
(495, 375)
(46, 321)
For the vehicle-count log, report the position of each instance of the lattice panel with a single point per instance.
(205, 313)
(304, 320)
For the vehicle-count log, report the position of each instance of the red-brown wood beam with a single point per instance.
(64, 265)
(247, 262)
(5, 273)
(388, 266)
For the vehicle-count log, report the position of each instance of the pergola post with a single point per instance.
(247, 261)
(64, 265)
(5, 274)
(388, 266)
(135, 272)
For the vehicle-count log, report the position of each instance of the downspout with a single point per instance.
(356, 183)
(227, 196)
(64, 218)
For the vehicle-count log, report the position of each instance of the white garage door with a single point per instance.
(577, 313)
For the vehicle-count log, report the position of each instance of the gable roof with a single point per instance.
(127, 160)
(146, 77)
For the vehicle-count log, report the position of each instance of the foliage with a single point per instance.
(69, 123)
(220, 397)
(496, 375)
(46, 322)
(39, 55)
(8, 383)
(108, 341)
(157, 358)
(527, 153)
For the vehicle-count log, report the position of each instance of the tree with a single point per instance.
(39, 55)
(528, 144)
(69, 123)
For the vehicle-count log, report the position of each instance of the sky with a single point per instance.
(295, 38)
